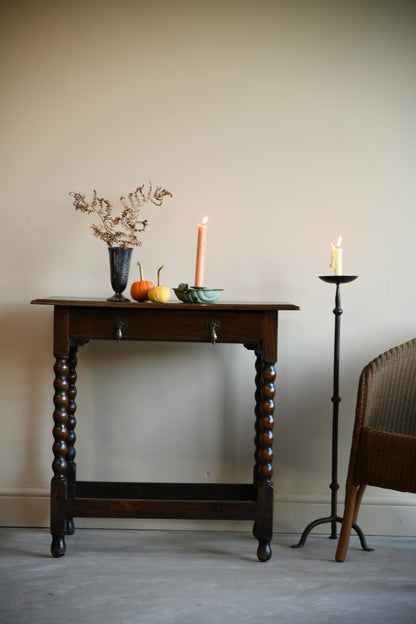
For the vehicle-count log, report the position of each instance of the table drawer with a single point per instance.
(157, 324)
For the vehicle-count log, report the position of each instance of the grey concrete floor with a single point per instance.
(180, 577)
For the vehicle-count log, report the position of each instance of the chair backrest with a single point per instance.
(388, 391)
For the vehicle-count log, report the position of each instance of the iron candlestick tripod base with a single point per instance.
(334, 486)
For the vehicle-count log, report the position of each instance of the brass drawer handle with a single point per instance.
(119, 324)
(214, 325)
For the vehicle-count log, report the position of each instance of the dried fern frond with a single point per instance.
(159, 194)
(121, 230)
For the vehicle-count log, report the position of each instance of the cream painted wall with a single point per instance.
(288, 123)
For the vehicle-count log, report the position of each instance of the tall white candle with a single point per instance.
(336, 257)
(201, 252)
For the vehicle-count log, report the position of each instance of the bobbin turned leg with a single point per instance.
(257, 412)
(71, 424)
(263, 528)
(60, 464)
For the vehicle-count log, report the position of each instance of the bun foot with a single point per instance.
(70, 527)
(58, 547)
(264, 552)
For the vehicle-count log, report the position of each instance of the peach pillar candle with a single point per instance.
(201, 252)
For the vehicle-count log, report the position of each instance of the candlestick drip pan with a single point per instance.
(197, 294)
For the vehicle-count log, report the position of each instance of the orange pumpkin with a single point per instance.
(139, 290)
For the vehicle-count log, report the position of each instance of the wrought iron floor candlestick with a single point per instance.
(334, 486)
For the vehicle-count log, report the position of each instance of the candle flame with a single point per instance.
(204, 220)
(339, 242)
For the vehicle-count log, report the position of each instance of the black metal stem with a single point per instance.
(335, 411)
(334, 486)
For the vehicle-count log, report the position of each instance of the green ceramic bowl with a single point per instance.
(197, 294)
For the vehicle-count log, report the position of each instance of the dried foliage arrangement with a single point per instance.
(123, 230)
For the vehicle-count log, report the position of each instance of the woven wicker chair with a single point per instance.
(383, 451)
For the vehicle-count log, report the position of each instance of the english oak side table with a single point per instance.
(77, 321)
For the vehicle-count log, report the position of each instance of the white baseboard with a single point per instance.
(378, 516)
(388, 515)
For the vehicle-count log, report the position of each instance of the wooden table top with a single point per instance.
(218, 305)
